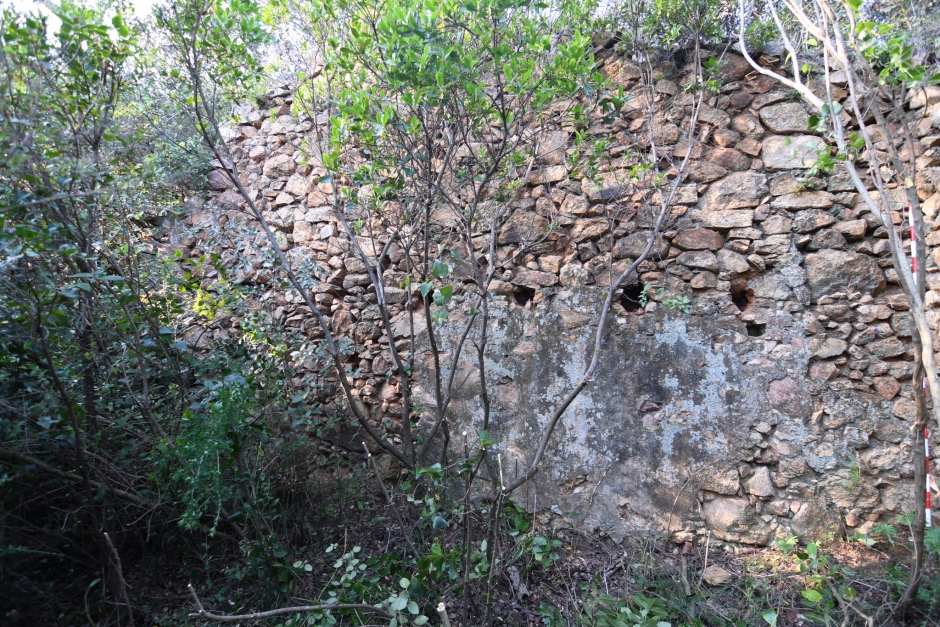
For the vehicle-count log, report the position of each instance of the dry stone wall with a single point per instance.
(780, 403)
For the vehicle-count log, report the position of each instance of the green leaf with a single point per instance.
(812, 596)
(771, 617)
(855, 4)
(420, 620)
(426, 288)
(439, 523)
(404, 583)
(440, 270)
(412, 607)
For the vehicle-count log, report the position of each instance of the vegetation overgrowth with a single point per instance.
(150, 477)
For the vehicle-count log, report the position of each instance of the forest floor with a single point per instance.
(743, 584)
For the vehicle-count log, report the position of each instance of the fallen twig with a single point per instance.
(283, 610)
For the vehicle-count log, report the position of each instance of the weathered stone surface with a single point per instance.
(297, 186)
(831, 271)
(633, 245)
(888, 347)
(784, 118)
(730, 159)
(730, 261)
(724, 220)
(815, 523)
(699, 259)
(770, 286)
(548, 174)
(573, 274)
(803, 200)
(904, 409)
(790, 153)
(704, 171)
(607, 186)
(827, 347)
(887, 387)
(738, 190)
(809, 221)
(734, 520)
(715, 575)
(586, 229)
(780, 389)
(522, 227)
(553, 146)
(686, 195)
(775, 225)
(698, 239)
(219, 180)
(786, 396)
(715, 117)
(575, 205)
(852, 230)
(533, 278)
(759, 484)
(621, 72)
(824, 370)
(747, 124)
(279, 165)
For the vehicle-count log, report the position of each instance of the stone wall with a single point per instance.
(741, 416)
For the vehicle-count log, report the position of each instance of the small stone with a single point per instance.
(813, 522)
(699, 259)
(741, 100)
(703, 280)
(851, 229)
(888, 347)
(809, 221)
(533, 278)
(698, 239)
(786, 117)
(574, 274)
(823, 370)
(552, 147)
(713, 116)
(832, 271)
(750, 147)
(759, 484)
(297, 186)
(786, 396)
(704, 171)
(738, 190)
(803, 200)
(826, 347)
(730, 159)
(522, 227)
(575, 205)
(548, 174)
(725, 137)
(715, 575)
(279, 165)
(790, 153)
(904, 409)
(724, 220)
(218, 180)
(887, 387)
(633, 245)
(732, 262)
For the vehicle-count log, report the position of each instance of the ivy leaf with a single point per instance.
(439, 523)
